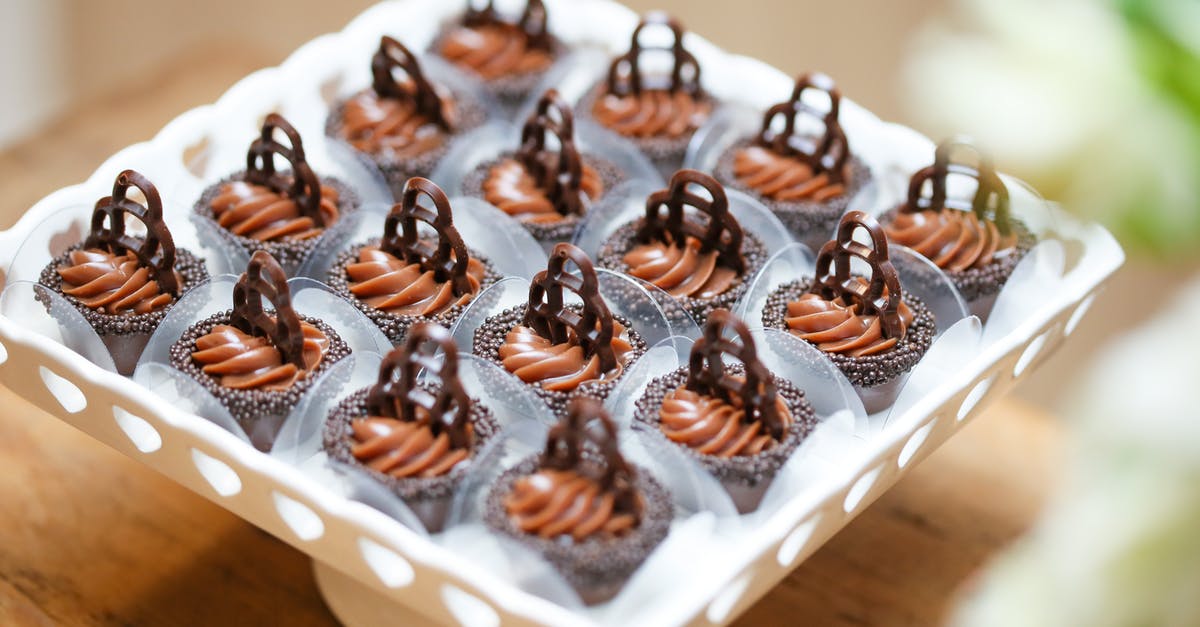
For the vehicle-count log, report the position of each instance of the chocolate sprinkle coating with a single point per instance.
(489, 337)
(191, 270)
(337, 437)
(624, 239)
(395, 326)
(564, 229)
(748, 470)
(975, 283)
(289, 253)
(868, 370)
(248, 406)
(596, 567)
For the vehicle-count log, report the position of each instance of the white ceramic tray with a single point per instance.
(373, 570)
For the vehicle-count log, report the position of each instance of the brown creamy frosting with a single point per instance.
(392, 127)
(837, 328)
(244, 361)
(510, 187)
(652, 113)
(559, 367)
(260, 213)
(680, 271)
(712, 426)
(391, 284)
(954, 240)
(553, 503)
(494, 50)
(784, 178)
(403, 449)
(113, 283)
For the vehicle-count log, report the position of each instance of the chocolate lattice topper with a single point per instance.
(567, 441)
(301, 184)
(756, 388)
(991, 194)
(264, 278)
(532, 21)
(393, 55)
(547, 313)
(828, 152)
(625, 74)
(401, 237)
(559, 174)
(156, 252)
(397, 395)
(721, 232)
(880, 294)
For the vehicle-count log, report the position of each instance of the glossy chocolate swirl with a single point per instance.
(560, 367)
(954, 240)
(391, 284)
(652, 113)
(112, 283)
(784, 178)
(243, 361)
(260, 213)
(712, 426)
(387, 126)
(515, 191)
(680, 271)
(553, 502)
(836, 327)
(403, 449)
(494, 50)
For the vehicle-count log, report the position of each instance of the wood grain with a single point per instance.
(94, 538)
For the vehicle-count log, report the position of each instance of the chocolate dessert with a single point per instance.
(547, 185)
(977, 243)
(593, 515)
(806, 180)
(404, 278)
(285, 213)
(658, 113)
(871, 329)
(562, 350)
(510, 58)
(124, 285)
(418, 439)
(697, 252)
(402, 126)
(258, 364)
(739, 421)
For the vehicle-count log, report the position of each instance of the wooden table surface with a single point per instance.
(94, 538)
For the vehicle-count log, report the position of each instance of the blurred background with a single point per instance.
(1095, 102)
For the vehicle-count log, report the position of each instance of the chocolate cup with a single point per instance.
(880, 397)
(596, 568)
(811, 222)
(126, 350)
(429, 498)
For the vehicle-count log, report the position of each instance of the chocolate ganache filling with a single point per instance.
(560, 366)
(113, 283)
(391, 284)
(784, 178)
(837, 327)
(244, 361)
(954, 240)
(494, 50)
(261, 213)
(681, 270)
(511, 187)
(713, 426)
(553, 502)
(403, 449)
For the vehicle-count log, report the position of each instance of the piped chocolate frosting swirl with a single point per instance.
(583, 486)
(493, 48)
(637, 105)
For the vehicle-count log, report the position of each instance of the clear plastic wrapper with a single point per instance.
(956, 346)
(45, 312)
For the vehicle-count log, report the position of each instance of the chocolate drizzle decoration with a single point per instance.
(397, 395)
(401, 238)
(157, 251)
(301, 184)
(548, 316)
(558, 175)
(881, 294)
(393, 55)
(264, 278)
(722, 233)
(532, 21)
(829, 152)
(991, 194)
(566, 442)
(625, 73)
(707, 376)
